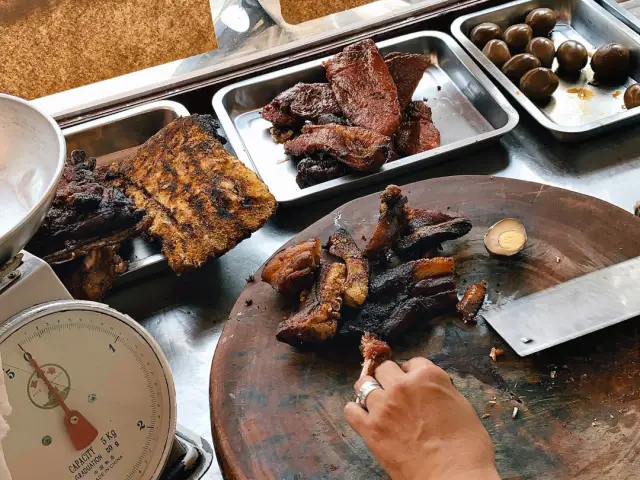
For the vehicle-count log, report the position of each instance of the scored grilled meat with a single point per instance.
(392, 221)
(293, 269)
(375, 352)
(317, 320)
(303, 101)
(472, 301)
(364, 88)
(399, 297)
(356, 147)
(86, 213)
(427, 229)
(318, 169)
(417, 131)
(406, 69)
(342, 245)
(202, 200)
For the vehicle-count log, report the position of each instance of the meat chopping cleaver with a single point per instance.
(570, 310)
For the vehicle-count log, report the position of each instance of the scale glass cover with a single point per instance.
(118, 421)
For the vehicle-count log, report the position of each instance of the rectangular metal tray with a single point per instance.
(570, 116)
(114, 138)
(622, 14)
(467, 108)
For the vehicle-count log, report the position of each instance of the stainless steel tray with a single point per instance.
(569, 116)
(114, 138)
(622, 14)
(467, 109)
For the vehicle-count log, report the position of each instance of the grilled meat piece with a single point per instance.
(392, 221)
(202, 200)
(293, 269)
(375, 352)
(94, 276)
(356, 147)
(328, 119)
(317, 320)
(417, 131)
(406, 69)
(281, 135)
(472, 301)
(319, 169)
(364, 88)
(86, 214)
(427, 229)
(342, 245)
(403, 295)
(303, 101)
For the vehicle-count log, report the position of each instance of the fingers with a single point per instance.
(389, 374)
(416, 363)
(375, 398)
(356, 417)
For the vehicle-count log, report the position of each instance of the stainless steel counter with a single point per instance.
(186, 314)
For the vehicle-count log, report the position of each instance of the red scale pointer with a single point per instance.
(80, 430)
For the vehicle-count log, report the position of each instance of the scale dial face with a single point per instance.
(102, 365)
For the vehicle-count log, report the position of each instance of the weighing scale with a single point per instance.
(91, 392)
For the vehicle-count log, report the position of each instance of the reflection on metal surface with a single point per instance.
(261, 41)
(236, 18)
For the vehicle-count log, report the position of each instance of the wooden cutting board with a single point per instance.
(50, 46)
(277, 411)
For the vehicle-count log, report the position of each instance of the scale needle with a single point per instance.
(81, 431)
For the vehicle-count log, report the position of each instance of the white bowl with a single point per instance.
(32, 156)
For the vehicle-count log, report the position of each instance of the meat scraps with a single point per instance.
(342, 245)
(472, 301)
(303, 101)
(426, 229)
(318, 169)
(406, 69)
(317, 319)
(417, 132)
(391, 223)
(202, 200)
(356, 147)
(363, 86)
(87, 213)
(399, 297)
(94, 276)
(375, 352)
(293, 269)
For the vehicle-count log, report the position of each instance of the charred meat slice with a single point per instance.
(472, 301)
(392, 221)
(417, 131)
(86, 213)
(342, 245)
(95, 274)
(203, 201)
(317, 320)
(293, 269)
(375, 352)
(406, 69)
(364, 88)
(356, 147)
(303, 101)
(319, 169)
(427, 229)
(403, 295)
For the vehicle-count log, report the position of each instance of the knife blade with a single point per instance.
(570, 310)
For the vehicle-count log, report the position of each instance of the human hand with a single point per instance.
(421, 427)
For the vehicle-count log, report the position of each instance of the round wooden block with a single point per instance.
(277, 412)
